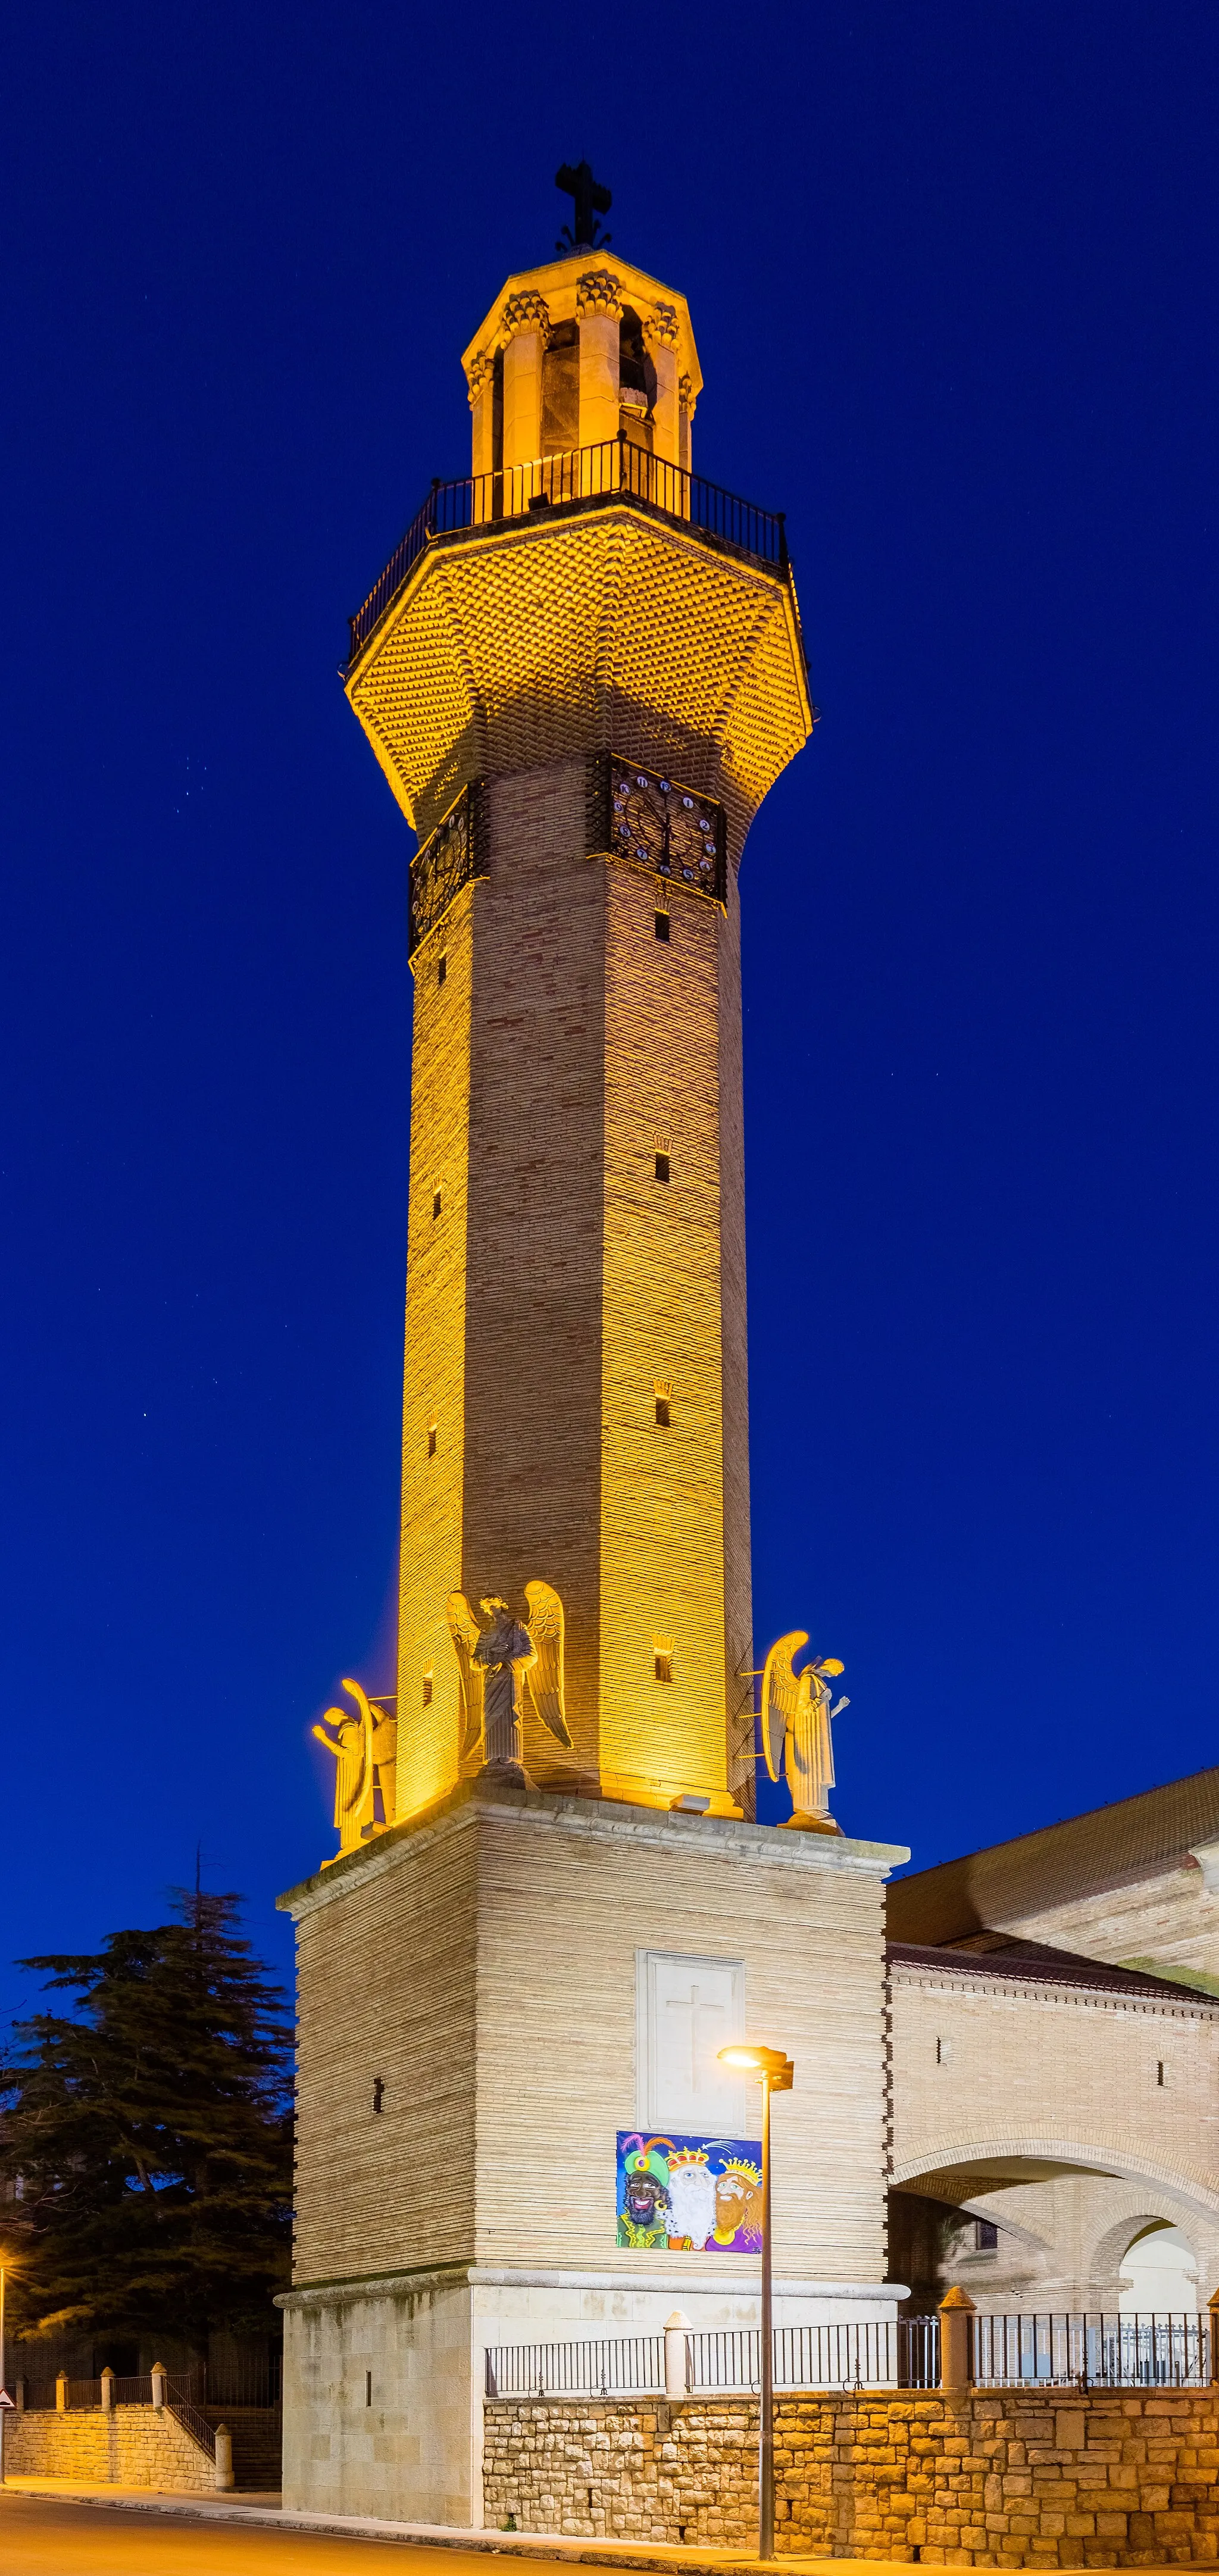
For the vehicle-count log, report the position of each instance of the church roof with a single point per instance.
(1114, 1846)
(1001, 1955)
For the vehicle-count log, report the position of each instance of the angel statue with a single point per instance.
(496, 1663)
(365, 1751)
(796, 1720)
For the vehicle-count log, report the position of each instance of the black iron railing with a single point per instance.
(899, 2353)
(581, 478)
(1092, 2349)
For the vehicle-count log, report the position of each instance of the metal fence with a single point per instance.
(579, 478)
(1092, 2350)
(619, 2365)
(900, 2353)
(239, 2381)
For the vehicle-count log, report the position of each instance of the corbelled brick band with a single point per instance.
(1005, 2478)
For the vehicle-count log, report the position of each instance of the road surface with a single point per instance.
(41, 2537)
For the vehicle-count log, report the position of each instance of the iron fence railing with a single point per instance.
(580, 478)
(236, 2382)
(1092, 2350)
(180, 2402)
(901, 2353)
(617, 2365)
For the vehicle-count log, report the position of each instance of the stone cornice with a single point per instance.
(481, 2276)
(1058, 1990)
(597, 1820)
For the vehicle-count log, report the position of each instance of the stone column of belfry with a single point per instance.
(579, 702)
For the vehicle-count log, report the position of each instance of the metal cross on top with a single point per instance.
(587, 195)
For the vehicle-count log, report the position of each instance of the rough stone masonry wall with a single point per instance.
(130, 2446)
(1001, 2479)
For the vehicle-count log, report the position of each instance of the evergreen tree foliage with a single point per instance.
(146, 2142)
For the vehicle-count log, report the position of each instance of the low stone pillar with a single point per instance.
(224, 2457)
(677, 2378)
(956, 2309)
(1213, 2306)
(157, 2376)
(107, 2390)
(61, 2391)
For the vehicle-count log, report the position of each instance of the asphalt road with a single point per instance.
(40, 2537)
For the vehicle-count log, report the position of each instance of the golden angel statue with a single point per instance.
(365, 1748)
(796, 1720)
(497, 1663)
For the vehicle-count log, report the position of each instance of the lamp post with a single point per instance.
(775, 2073)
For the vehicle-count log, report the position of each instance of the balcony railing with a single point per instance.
(582, 478)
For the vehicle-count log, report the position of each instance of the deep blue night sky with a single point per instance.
(953, 274)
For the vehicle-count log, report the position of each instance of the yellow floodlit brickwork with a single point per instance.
(662, 1503)
(434, 1375)
(512, 650)
(557, 1276)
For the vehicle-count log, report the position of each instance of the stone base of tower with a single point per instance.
(487, 1999)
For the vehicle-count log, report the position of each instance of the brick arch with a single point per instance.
(1190, 2188)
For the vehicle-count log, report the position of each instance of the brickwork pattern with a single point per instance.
(513, 651)
(130, 2446)
(434, 1371)
(559, 1280)
(534, 1319)
(662, 1509)
(1079, 2069)
(485, 1968)
(386, 1986)
(1007, 2479)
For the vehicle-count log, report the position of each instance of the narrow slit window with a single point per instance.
(662, 925)
(431, 1439)
(435, 1203)
(368, 2387)
(662, 1659)
(662, 1165)
(664, 1397)
(442, 966)
(427, 1687)
(1159, 2070)
(378, 2093)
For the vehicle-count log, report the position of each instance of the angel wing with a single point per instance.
(544, 1680)
(465, 1633)
(781, 1696)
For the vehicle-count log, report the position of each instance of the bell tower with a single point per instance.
(581, 672)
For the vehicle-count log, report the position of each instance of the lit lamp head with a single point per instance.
(770, 2065)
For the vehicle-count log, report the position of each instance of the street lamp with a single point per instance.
(775, 2073)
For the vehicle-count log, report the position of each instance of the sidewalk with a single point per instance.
(265, 2511)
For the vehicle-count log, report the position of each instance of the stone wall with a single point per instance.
(1003, 2478)
(129, 2446)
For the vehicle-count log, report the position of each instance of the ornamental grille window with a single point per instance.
(453, 856)
(653, 820)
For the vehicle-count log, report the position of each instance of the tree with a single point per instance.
(146, 2142)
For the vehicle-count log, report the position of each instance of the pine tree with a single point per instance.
(146, 2142)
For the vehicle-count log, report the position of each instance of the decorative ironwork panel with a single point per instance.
(454, 855)
(661, 825)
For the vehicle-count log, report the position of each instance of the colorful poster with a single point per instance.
(689, 2195)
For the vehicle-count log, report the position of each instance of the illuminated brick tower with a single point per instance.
(580, 672)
